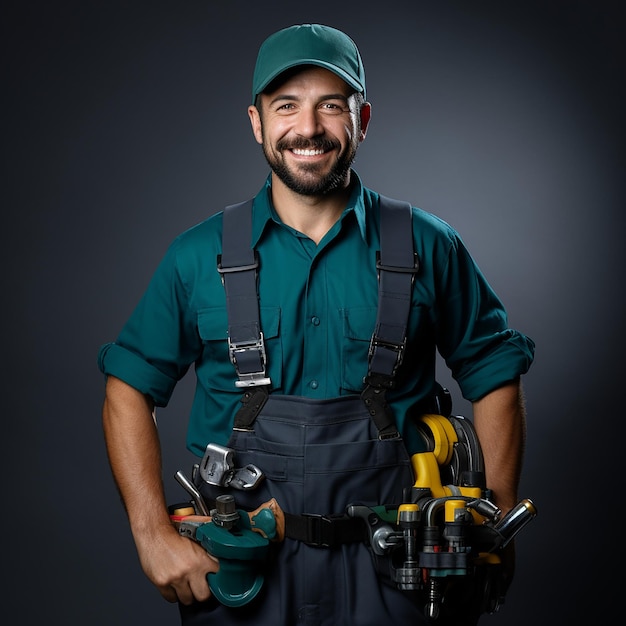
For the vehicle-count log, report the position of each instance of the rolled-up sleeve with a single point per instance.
(159, 341)
(482, 352)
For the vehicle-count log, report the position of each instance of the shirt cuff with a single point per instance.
(509, 361)
(115, 360)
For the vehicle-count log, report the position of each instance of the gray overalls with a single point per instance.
(318, 456)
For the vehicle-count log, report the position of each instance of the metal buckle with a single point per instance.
(398, 348)
(249, 379)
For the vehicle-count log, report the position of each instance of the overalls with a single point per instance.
(318, 456)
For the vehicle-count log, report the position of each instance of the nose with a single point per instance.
(308, 122)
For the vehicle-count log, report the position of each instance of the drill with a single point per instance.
(240, 541)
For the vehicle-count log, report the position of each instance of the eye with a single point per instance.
(333, 107)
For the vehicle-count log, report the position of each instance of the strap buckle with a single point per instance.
(248, 352)
(237, 268)
(399, 269)
(397, 348)
(319, 530)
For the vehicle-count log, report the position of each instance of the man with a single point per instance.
(315, 231)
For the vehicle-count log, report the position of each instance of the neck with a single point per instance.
(313, 216)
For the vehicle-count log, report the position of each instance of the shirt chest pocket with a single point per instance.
(357, 328)
(217, 370)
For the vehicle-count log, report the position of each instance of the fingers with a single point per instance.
(193, 587)
(169, 593)
(176, 565)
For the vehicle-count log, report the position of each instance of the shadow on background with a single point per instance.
(126, 123)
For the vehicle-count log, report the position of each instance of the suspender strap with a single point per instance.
(397, 266)
(238, 265)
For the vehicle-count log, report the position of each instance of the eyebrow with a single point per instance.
(330, 96)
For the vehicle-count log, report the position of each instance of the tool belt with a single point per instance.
(442, 537)
(319, 531)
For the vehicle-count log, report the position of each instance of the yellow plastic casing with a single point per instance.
(426, 464)
(444, 437)
(406, 507)
(451, 507)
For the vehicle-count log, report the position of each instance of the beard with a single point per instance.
(309, 179)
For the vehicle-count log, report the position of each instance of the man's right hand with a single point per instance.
(176, 565)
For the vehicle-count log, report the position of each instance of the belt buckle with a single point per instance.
(319, 530)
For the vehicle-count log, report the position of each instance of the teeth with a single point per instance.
(307, 152)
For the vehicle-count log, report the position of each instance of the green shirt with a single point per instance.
(318, 307)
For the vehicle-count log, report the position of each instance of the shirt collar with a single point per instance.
(264, 211)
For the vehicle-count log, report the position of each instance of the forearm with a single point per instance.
(175, 564)
(500, 423)
(134, 454)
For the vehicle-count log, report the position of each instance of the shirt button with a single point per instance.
(314, 384)
(315, 321)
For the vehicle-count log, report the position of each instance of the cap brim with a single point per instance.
(329, 66)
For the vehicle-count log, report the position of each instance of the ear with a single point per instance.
(366, 113)
(255, 121)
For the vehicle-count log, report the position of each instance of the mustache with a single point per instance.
(307, 144)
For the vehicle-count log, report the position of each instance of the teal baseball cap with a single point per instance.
(308, 44)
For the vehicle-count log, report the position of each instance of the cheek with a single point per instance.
(348, 135)
(273, 132)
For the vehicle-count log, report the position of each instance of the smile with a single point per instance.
(301, 152)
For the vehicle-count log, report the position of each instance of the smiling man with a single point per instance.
(317, 119)
(277, 303)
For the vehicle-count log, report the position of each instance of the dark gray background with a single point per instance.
(125, 123)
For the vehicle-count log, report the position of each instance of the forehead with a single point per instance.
(308, 78)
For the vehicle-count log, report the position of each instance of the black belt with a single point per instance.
(325, 531)
(321, 531)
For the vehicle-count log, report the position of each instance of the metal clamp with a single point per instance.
(382, 536)
(218, 468)
(398, 348)
(236, 350)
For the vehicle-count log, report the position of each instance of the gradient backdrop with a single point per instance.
(125, 123)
